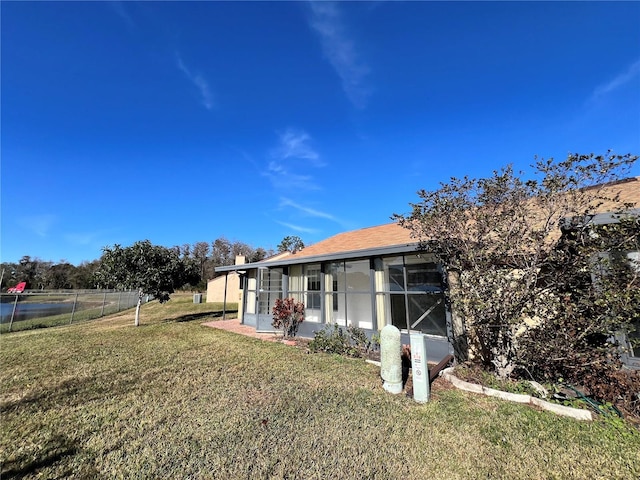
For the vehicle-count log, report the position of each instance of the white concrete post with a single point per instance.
(390, 361)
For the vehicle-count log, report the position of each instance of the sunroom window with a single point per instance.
(410, 295)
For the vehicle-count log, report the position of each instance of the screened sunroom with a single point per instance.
(367, 288)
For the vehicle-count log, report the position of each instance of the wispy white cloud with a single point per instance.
(312, 212)
(290, 169)
(38, 224)
(198, 81)
(298, 228)
(282, 178)
(621, 79)
(296, 144)
(285, 202)
(292, 155)
(341, 52)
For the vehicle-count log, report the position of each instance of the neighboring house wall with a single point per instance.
(216, 288)
(229, 283)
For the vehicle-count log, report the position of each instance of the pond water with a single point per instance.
(27, 311)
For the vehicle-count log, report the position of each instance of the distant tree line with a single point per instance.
(47, 275)
(220, 252)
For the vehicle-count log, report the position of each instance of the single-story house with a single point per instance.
(366, 278)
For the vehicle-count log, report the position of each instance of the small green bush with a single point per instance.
(352, 341)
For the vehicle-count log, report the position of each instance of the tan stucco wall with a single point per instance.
(215, 288)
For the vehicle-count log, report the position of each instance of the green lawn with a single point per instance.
(175, 399)
(89, 307)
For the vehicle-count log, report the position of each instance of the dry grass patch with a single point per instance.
(174, 399)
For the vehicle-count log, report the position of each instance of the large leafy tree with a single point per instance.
(260, 254)
(497, 240)
(8, 275)
(291, 244)
(34, 271)
(221, 249)
(240, 248)
(60, 276)
(200, 254)
(151, 269)
(224, 252)
(82, 277)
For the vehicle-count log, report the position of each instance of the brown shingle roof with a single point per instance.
(628, 189)
(390, 234)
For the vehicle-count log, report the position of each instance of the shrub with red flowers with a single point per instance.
(287, 316)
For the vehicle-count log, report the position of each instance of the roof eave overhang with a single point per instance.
(351, 254)
(605, 218)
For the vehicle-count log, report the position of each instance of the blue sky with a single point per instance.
(183, 122)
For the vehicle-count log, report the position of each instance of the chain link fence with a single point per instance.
(48, 309)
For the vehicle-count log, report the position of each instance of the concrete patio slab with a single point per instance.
(235, 326)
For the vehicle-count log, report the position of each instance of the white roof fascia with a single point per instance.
(351, 254)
